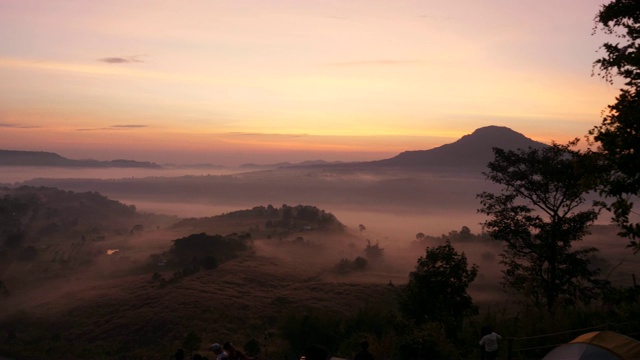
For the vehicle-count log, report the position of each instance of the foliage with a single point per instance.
(617, 135)
(437, 289)
(620, 18)
(290, 217)
(373, 252)
(427, 341)
(341, 334)
(197, 247)
(345, 266)
(538, 215)
(463, 236)
(209, 262)
(303, 329)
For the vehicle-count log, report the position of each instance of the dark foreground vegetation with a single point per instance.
(112, 283)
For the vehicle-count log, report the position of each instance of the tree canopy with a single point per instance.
(618, 135)
(539, 213)
(437, 289)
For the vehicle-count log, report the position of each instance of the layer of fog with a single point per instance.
(14, 174)
(393, 206)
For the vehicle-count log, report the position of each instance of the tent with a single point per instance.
(597, 345)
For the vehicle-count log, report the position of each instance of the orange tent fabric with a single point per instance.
(623, 346)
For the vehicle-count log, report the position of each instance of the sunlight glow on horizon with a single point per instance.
(341, 79)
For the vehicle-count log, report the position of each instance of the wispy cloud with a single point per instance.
(129, 126)
(114, 127)
(16, 126)
(238, 133)
(121, 60)
(96, 69)
(373, 63)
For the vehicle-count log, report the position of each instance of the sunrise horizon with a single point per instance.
(230, 84)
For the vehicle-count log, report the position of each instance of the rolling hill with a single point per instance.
(41, 158)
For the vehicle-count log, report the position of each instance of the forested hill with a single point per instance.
(31, 214)
(41, 158)
(285, 217)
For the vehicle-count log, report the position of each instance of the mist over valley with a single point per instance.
(95, 255)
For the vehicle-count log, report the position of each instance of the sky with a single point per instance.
(264, 81)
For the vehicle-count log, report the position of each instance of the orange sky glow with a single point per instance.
(229, 82)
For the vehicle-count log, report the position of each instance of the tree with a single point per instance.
(209, 262)
(538, 215)
(465, 233)
(617, 136)
(437, 289)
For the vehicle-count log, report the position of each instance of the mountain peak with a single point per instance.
(494, 130)
(472, 151)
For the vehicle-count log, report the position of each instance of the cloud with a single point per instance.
(16, 126)
(114, 127)
(121, 60)
(128, 126)
(238, 133)
(373, 63)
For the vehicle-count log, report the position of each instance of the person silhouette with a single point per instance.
(364, 353)
(489, 343)
(179, 355)
(217, 350)
(233, 353)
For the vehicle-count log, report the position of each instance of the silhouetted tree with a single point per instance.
(136, 228)
(373, 252)
(209, 262)
(360, 263)
(618, 136)
(420, 236)
(538, 215)
(465, 233)
(437, 289)
(361, 228)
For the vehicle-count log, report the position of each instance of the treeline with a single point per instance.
(286, 216)
(36, 213)
(190, 254)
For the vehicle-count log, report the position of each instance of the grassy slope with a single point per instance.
(237, 301)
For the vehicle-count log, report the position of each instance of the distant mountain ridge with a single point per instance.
(42, 158)
(471, 151)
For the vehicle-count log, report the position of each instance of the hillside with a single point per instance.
(41, 158)
(108, 282)
(449, 176)
(471, 152)
(102, 280)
